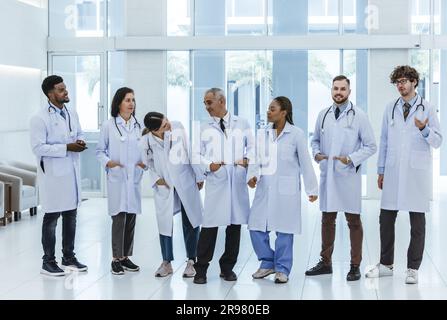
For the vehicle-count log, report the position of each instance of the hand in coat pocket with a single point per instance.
(252, 182)
(162, 182)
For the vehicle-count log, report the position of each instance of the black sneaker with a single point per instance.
(320, 268)
(129, 265)
(117, 268)
(199, 279)
(231, 276)
(51, 268)
(73, 264)
(354, 273)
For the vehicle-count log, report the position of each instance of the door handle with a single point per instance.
(100, 115)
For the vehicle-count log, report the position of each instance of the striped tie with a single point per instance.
(407, 108)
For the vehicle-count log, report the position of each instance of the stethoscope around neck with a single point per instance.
(68, 114)
(421, 104)
(123, 138)
(351, 110)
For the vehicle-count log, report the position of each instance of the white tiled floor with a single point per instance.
(20, 261)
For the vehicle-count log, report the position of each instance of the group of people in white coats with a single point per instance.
(228, 160)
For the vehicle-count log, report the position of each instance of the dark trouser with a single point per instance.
(49, 234)
(190, 236)
(417, 241)
(207, 243)
(328, 236)
(123, 231)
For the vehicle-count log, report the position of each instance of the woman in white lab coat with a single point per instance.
(118, 152)
(176, 185)
(277, 202)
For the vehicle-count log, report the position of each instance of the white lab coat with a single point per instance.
(123, 183)
(60, 184)
(277, 202)
(407, 158)
(173, 164)
(350, 135)
(226, 191)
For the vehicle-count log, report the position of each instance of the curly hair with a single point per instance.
(405, 72)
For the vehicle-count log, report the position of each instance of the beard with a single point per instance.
(64, 100)
(340, 101)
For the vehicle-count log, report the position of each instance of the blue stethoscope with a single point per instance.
(123, 138)
(349, 123)
(421, 104)
(68, 114)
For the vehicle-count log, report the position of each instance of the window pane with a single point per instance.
(208, 71)
(420, 60)
(442, 71)
(248, 76)
(324, 65)
(179, 85)
(245, 17)
(115, 19)
(116, 76)
(420, 16)
(82, 76)
(179, 17)
(209, 17)
(437, 16)
(76, 18)
(287, 17)
(349, 16)
(323, 16)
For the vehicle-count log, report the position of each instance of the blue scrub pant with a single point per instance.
(280, 259)
(190, 235)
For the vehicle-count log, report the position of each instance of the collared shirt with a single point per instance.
(226, 119)
(342, 107)
(126, 124)
(412, 102)
(59, 110)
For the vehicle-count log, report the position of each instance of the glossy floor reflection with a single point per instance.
(20, 256)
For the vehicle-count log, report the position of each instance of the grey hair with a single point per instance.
(217, 92)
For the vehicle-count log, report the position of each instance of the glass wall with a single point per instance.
(261, 17)
(245, 17)
(179, 17)
(77, 18)
(252, 78)
(179, 87)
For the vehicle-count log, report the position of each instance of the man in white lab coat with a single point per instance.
(56, 140)
(342, 141)
(410, 129)
(226, 146)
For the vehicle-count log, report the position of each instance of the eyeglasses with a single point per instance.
(402, 81)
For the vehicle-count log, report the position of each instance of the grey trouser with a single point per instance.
(123, 230)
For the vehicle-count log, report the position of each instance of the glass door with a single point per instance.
(85, 77)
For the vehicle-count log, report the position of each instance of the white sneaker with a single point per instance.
(380, 270)
(262, 273)
(281, 277)
(189, 270)
(164, 269)
(412, 276)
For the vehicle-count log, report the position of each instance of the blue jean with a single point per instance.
(190, 236)
(280, 259)
(49, 234)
